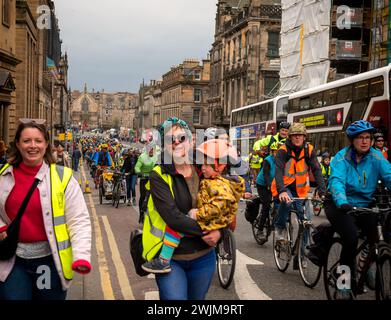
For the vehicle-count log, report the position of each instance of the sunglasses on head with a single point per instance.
(34, 121)
(180, 138)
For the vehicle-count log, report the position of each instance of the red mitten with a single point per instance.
(81, 266)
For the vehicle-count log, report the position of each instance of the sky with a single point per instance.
(115, 44)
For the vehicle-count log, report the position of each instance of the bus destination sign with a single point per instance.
(329, 118)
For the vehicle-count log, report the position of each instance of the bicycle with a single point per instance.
(269, 225)
(119, 188)
(380, 254)
(297, 247)
(226, 258)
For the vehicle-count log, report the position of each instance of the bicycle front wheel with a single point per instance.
(330, 272)
(309, 272)
(226, 259)
(282, 249)
(257, 231)
(383, 274)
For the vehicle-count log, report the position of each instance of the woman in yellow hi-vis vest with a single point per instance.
(174, 186)
(55, 230)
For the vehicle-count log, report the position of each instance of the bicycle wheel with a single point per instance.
(226, 259)
(317, 207)
(123, 190)
(100, 195)
(309, 272)
(257, 231)
(113, 197)
(383, 275)
(117, 194)
(282, 249)
(330, 274)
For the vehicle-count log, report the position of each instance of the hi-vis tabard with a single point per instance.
(59, 179)
(296, 170)
(154, 225)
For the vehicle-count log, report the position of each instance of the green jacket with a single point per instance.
(145, 164)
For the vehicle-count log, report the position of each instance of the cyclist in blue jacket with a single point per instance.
(355, 172)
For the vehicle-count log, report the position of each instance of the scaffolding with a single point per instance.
(381, 34)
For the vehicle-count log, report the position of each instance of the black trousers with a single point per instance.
(143, 192)
(347, 226)
(266, 197)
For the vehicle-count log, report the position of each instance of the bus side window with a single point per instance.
(360, 90)
(269, 114)
(294, 105)
(344, 94)
(251, 115)
(376, 87)
(316, 100)
(258, 113)
(330, 97)
(304, 103)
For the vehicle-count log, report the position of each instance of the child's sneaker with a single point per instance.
(157, 265)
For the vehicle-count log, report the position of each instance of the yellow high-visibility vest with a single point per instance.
(59, 179)
(154, 226)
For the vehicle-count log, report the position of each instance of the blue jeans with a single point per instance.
(284, 208)
(131, 182)
(27, 282)
(188, 280)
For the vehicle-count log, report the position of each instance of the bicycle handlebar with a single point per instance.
(361, 210)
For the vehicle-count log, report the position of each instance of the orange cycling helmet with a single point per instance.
(218, 150)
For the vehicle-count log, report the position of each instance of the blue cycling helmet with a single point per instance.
(358, 127)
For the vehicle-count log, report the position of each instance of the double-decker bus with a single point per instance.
(328, 109)
(254, 121)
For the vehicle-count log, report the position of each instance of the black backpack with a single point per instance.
(322, 238)
(136, 251)
(252, 209)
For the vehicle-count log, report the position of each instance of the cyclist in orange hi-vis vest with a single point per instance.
(379, 144)
(293, 161)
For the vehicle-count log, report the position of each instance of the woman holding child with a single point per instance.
(174, 186)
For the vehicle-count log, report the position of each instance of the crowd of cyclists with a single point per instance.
(280, 171)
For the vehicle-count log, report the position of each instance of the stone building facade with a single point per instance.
(27, 70)
(91, 110)
(8, 65)
(244, 56)
(185, 93)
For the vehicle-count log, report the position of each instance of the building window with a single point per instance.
(273, 44)
(240, 48)
(6, 19)
(197, 95)
(197, 116)
(234, 51)
(247, 45)
(197, 75)
(271, 84)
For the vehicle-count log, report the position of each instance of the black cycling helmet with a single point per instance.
(284, 125)
(325, 155)
(378, 135)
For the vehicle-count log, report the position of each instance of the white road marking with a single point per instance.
(245, 287)
(123, 279)
(104, 273)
